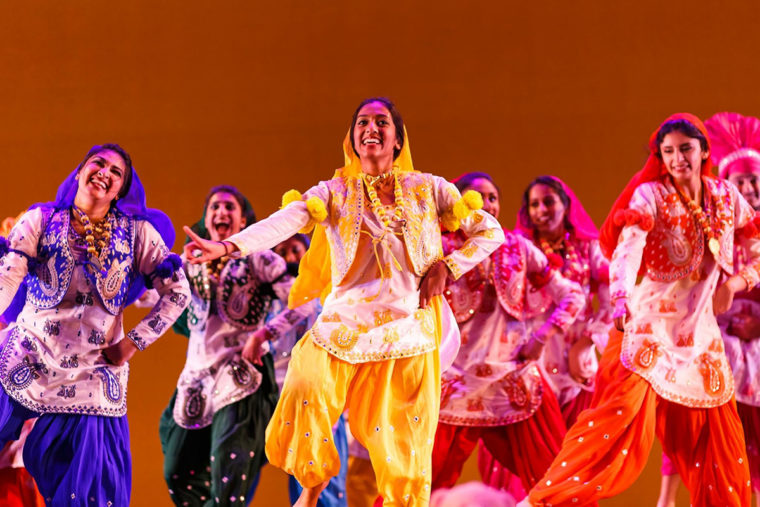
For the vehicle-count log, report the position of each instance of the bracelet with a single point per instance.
(224, 244)
(747, 279)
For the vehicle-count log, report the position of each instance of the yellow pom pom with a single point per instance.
(473, 199)
(450, 222)
(316, 208)
(290, 196)
(460, 210)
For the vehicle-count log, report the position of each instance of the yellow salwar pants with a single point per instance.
(393, 407)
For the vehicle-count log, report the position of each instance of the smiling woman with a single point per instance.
(667, 373)
(82, 259)
(377, 259)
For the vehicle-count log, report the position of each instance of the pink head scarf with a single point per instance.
(735, 143)
(583, 226)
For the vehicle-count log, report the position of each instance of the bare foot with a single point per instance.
(309, 496)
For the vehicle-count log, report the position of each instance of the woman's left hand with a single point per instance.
(121, 352)
(724, 296)
(580, 360)
(433, 283)
(252, 349)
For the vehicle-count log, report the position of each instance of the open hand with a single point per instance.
(199, 250)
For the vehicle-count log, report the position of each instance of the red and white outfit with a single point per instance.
(579, 259)
(668, 374)
(488, 393)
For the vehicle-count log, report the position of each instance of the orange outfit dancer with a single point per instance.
(667, 374)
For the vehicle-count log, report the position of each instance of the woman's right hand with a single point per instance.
(621, 313)
(199, 250)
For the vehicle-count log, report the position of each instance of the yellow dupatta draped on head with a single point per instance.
(314, 272)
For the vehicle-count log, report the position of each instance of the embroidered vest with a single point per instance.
(676, 244)
(49, 281)
(576, 269)
(241, 299)
(468, 294)
(422, 233)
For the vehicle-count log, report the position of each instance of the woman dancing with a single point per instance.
(552, 217)
(735, 143)
(490, 393)
(212, 432)
(373, 349)
(83, 259)
(667, 374)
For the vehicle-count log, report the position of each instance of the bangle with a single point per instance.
(224, 244)
(747, 279)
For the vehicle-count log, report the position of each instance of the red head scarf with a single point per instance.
(653, 169)
(583, 226)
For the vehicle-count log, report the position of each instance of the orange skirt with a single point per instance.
(607, 448)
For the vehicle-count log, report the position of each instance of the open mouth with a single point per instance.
(372, 141)
(222, 229)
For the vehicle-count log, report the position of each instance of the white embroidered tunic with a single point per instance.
(591, 270)
(221, 317)
(373, 312)
(672, 338)
(488, 385)
(52, 360)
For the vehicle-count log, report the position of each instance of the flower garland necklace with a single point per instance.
(704, 219)
(98, 234)
(377, 205)
(571, 265)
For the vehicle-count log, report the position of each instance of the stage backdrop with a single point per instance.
(260, 94)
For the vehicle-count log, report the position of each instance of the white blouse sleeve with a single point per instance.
(626, 260)
(22, 242)
(483, 231)
(280, 225)
(173, 290)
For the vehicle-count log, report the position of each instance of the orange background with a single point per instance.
(260, 94)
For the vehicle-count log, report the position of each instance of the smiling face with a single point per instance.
(101, 177)
(224, 216)
(490, 195)
(682, 156)
(749, 186)
(546, 210)
(374, 134)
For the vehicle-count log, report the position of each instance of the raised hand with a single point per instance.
(199, 250)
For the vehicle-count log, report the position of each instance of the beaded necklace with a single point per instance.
(215, 267)
(377, 206)
(571, 265)
(711, 226)
(98, 234)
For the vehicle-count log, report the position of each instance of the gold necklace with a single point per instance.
(703, 219)
(96, 235)
(377, 206)
(380, 178)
